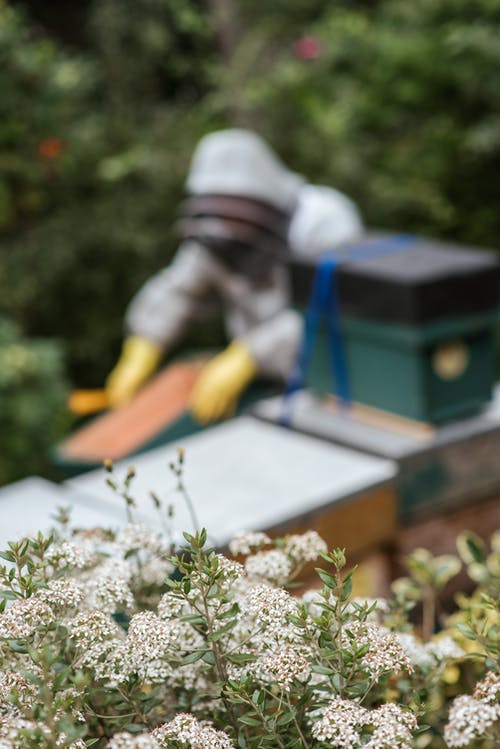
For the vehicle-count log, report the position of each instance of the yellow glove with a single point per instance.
(138, 360)
(221, 382)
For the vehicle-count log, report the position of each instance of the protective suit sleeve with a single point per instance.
(273, 344)
(170, 300)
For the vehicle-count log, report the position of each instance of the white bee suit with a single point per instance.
(324, 219)
(195, 285)
(230, 163)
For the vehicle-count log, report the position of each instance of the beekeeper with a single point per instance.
(234, 227)
(324, 219)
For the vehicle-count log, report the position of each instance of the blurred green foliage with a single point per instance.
(90, 179)
(400, 108)
(394, 102)
(33, 395)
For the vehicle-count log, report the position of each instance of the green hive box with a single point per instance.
(417, 329)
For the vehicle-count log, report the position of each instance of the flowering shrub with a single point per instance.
(109, 639)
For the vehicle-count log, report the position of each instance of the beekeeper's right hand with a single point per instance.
(138, 360)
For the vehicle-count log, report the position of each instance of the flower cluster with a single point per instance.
(186, 730)
(429, 654)
(14, 684)
(343, 722)
(70, 554)
(281, 563)
(183, 731)
(246, 542)
(274, 566)
(22, 619)
(472, 717)
(92, 649)
(384, 653)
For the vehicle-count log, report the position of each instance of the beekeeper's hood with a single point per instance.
(324, 219)
(239, 163)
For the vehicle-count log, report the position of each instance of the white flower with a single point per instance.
(270, 607)
(137, 536)
(379, 607)
(415, 650)
(186, 729)
(246, 541)
(62, 593)
(306, 547)
(108, 593)
(22, 618)
(94, 634)
(171, 606)
(124, 740)
(339, 724)
(426, 655)
(67, 553)
(469, 719)
(229, 569)
(117, 664)
(111, 566)
(281, 667)
(149, 639)
(155, 647)
(444, 649)
(393, 727)
(488, 689)
(343, 722)
(155, 571)
(12, 683)
(384, 649)
(274, 566)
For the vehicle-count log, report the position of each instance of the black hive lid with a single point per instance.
(420, 281)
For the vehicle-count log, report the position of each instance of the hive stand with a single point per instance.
(439, 469)
(249, 475)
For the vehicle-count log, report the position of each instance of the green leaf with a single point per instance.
(134, 727)
(325, 670)
(285, 719)
(196, 655)
(9, 595)
(228, 612)
(347, 587)
(192, 619)
(466, 631)
(240, 659)
(326, 578)
(17, 646)
(249, 721)
(471, 548)
(209, 658)
(421, 729)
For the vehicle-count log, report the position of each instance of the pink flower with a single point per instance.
(307, 48)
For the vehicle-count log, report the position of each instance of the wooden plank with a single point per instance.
(383, 419)
(29, 506)
(359, 524)
(249, 475)
(118, 433)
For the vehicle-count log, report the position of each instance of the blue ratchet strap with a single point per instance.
(324, 303)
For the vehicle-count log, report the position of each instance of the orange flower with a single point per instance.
(50, 148)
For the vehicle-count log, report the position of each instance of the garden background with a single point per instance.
(102, 102)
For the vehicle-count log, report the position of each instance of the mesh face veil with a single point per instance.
(241, 200)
